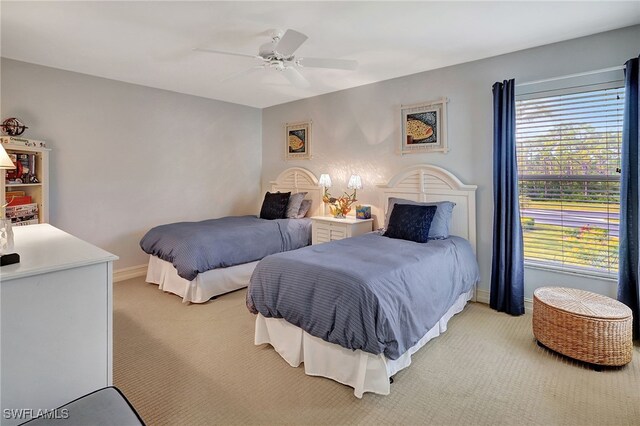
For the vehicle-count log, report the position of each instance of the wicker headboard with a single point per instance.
(425, 182)
(297, 179)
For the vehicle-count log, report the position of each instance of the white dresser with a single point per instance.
(56, 322)
(327, 228)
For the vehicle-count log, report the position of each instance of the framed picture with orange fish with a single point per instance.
(298, 143)
(424, 127)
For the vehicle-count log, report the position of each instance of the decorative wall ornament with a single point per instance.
(13, 127)
(424, 127)
(298, 141)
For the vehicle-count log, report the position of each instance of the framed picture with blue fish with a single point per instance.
(298, 143)
(424, 127)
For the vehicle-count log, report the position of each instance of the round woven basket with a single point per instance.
(582, 325)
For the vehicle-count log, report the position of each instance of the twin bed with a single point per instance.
(355, 310)
(198, 261)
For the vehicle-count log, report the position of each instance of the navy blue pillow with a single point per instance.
(274, 205)
(409, 222)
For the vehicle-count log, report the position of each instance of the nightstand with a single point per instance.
(327, 228)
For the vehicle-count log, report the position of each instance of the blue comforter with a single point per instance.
(195, 247)
(373, 293)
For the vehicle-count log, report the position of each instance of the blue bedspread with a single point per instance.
(373, 293)
(195, 247)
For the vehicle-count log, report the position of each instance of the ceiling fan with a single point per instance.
(279, 54)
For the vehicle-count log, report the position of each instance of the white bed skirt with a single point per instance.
(363, 371)
(204, 286)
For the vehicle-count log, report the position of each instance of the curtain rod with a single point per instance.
(580, 74)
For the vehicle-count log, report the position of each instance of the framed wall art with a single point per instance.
(298, 143)
(424, 127)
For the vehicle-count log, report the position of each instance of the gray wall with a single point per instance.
(126, 158)
(358, 130)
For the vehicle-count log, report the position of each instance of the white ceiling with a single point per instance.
(150, 43)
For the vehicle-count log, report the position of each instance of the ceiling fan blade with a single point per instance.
(339, 64)
(244, 55)
(242, 73)
(289, 42)
(295, 78)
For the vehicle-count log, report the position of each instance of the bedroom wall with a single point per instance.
(358, 130)
(126, 158)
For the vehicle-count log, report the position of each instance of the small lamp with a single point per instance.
(355, 183)
(325, 182)
(5, 161)
(6, 233)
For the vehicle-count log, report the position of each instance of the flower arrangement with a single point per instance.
(341, 206)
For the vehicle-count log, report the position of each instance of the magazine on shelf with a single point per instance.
(22, 212)
(34, 220)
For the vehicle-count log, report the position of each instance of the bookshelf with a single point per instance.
(39, 192)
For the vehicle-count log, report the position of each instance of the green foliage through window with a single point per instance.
(568, 149)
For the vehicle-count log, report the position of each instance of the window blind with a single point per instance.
(568, 149)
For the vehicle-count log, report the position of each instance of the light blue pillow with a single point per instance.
(439, 229)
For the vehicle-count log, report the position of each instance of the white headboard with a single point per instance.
(297, 179)
(425, 182)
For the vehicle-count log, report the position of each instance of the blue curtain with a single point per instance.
(507, 268)
(628, 290)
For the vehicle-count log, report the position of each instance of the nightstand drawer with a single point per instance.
(329, 232)
(321, 235)
(325, 229)
(337, 232)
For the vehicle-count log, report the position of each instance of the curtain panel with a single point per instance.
(628, 290)
(507, 269)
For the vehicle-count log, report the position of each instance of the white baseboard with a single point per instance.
(483, 296)
(130, 272)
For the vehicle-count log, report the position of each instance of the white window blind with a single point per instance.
(568, 148)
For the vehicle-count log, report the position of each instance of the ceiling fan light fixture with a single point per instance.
(279, 54)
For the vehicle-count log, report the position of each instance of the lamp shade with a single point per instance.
(324, 180)
(5, 161)
(355, 182)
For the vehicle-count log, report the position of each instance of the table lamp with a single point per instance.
(325, 182)
(6, 233)
(355, 183)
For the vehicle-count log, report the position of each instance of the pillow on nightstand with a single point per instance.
(274, 205)
(410, 222)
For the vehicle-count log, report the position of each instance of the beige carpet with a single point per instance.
(197, 365)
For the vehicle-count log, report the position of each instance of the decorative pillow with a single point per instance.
(294, 204)
(441, 221)
(410, 222)
(274, 206)
(304, 208)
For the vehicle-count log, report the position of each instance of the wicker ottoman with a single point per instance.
(582, 325)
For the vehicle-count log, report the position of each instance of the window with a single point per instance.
(568, 148)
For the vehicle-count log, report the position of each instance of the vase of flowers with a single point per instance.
(341, 207)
